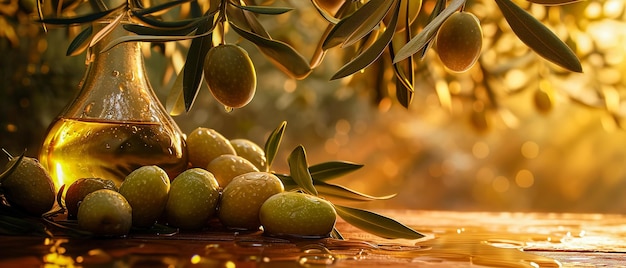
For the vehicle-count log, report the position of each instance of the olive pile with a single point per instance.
(227, 180)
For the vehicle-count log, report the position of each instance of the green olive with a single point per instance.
(29, 187)
(81, 188)
(226, 167)
(230, 75)
(251, 151)
(146, 190)
(298, 215)
(205, 144)
(105, 213)
(193, 199)
(459, 41)
(243, 196)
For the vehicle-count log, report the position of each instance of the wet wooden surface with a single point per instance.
(453, 239)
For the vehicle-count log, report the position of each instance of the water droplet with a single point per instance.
(115, 73)
(228, 109)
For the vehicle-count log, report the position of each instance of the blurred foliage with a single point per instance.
(515, 132)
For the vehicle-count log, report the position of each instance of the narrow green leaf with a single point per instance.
(332, 169)
(554, 2)
(150, 38)
(265, 10)
(193, 71)
(404, 73)
(373, 52)
(439, 7)
(106, 30)
(298, 167)
(331, 190)
(144, 30)
(21, 226)
(420, 40)
(376, 224)
(336, 234)
(342, 192)
(80, 19)
(273, 143)
(13, 166)
(245, 20)
(327, 16)
(175, 102)
(161, 7)
(285, 57)
(359, 24)
(156, 23)
(538, 37)
(404, 94)
(80, 42)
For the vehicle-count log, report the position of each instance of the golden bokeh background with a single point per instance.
(514, 133)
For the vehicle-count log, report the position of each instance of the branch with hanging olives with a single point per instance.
(378, 26)
(232, 84)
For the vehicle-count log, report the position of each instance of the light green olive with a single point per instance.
(243, 197)
(192, 200)
(105, 213)
(206, 144)
(226, 167)
(146, 190)
(298, 215)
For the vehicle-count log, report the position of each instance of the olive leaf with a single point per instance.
(332, 169)
(151, 38)
(160, 7)
(439, 7)
(193, 71)
(404, 74)
(285, 57)
(332, 190)
(376, 224)
(161, 24)
(266, 10)
(320, 52)
(69, 227)
(373, 52)
(245, 20)
(10, 225)
(12, 167)
(352, 28)
(336, 234)
(146, 30)
(273, 143)
(298, 168)
(175, 102)
(80, 42)
(554, 2)
(538, 37)
(425, 36)
(327, 16)
(340, 191)
(106, 30)
(80, 19)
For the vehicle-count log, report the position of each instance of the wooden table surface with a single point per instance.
(453, 239)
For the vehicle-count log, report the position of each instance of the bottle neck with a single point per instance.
(116, 87)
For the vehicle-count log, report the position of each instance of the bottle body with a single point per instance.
(115, 124)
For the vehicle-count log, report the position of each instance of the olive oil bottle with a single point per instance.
(116, 123)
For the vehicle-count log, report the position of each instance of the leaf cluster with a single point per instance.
(357, 24)
(366, 22)
(315, 180)
(200, 25)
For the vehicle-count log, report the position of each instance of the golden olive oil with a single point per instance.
(79, 148)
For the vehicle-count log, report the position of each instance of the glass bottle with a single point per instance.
(115, 124)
